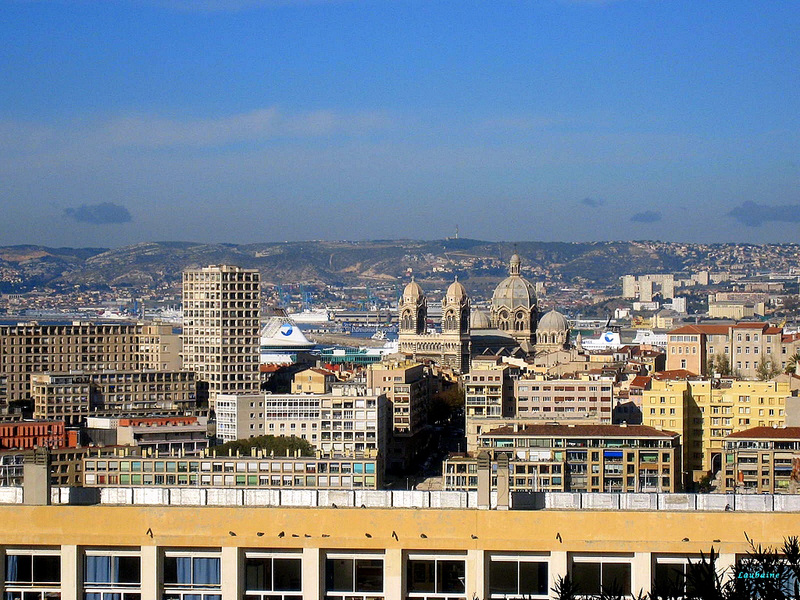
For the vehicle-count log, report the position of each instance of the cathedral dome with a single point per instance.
(455, 293)
(513, 292)
(553, 321)
(413, 291)
(479, 320)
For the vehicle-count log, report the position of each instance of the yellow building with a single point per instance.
(233, 552)
(706, 411)
(313, 381)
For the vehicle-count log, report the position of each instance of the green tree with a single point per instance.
(270, 444)
(766, 369)
(791, 364)
(720, 364)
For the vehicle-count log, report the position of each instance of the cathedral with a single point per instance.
(512, 326)
(451, 347)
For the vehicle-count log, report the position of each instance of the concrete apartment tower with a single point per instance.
(221, 329)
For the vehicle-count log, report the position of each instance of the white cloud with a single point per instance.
(149, 131)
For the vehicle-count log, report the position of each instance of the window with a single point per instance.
(514, 576)
(593, 575)
(358, 577)
(32, 575)
(112, 576)
(187, 575)
(435, 577)
(672, 577)
(279, 575)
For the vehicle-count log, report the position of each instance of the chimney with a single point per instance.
(36, 477)
(484, 480)
(503, 488)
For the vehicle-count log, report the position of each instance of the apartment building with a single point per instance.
(489, 393)
(29, 348)
(313, 381)
(706, 411)
(563, 399)
(744, 345)
(574, 458)
(763, 460)
(408, 387)
(348, 420)
(221, 342)
(75, 396)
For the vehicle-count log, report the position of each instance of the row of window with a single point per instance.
(35, 574)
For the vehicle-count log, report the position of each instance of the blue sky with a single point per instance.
(270, 120)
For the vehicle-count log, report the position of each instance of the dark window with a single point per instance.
(353, 575)
(594, 578)
(517, 578)
(273, 574)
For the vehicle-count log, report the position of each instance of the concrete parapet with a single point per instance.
(224, 497)
(116, 496)
(714, 501)
(11, 495)
(600, 500)
(638, 502)
(262, 497)
(188, 497)
(753, 503)
(676, 502)
(371, 499)
(447, 500)
(410, 499)
(299, 498)
(786, 503)
(154, 496)
(563, 500)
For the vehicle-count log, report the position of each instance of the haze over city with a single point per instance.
(245, 121)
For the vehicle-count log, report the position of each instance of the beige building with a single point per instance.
(30, 348)
(705, 412)
(763, 460)
(75, 396)
(546, 399)
(221, 308)
(744, 346)
(408, 386)
(346, 421)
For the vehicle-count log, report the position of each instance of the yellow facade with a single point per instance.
(474, 538)
(704, 412)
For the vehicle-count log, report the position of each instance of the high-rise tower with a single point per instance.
(221, 328)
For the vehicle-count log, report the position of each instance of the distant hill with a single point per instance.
(154, 265)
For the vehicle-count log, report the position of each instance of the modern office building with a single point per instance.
(221, 342)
